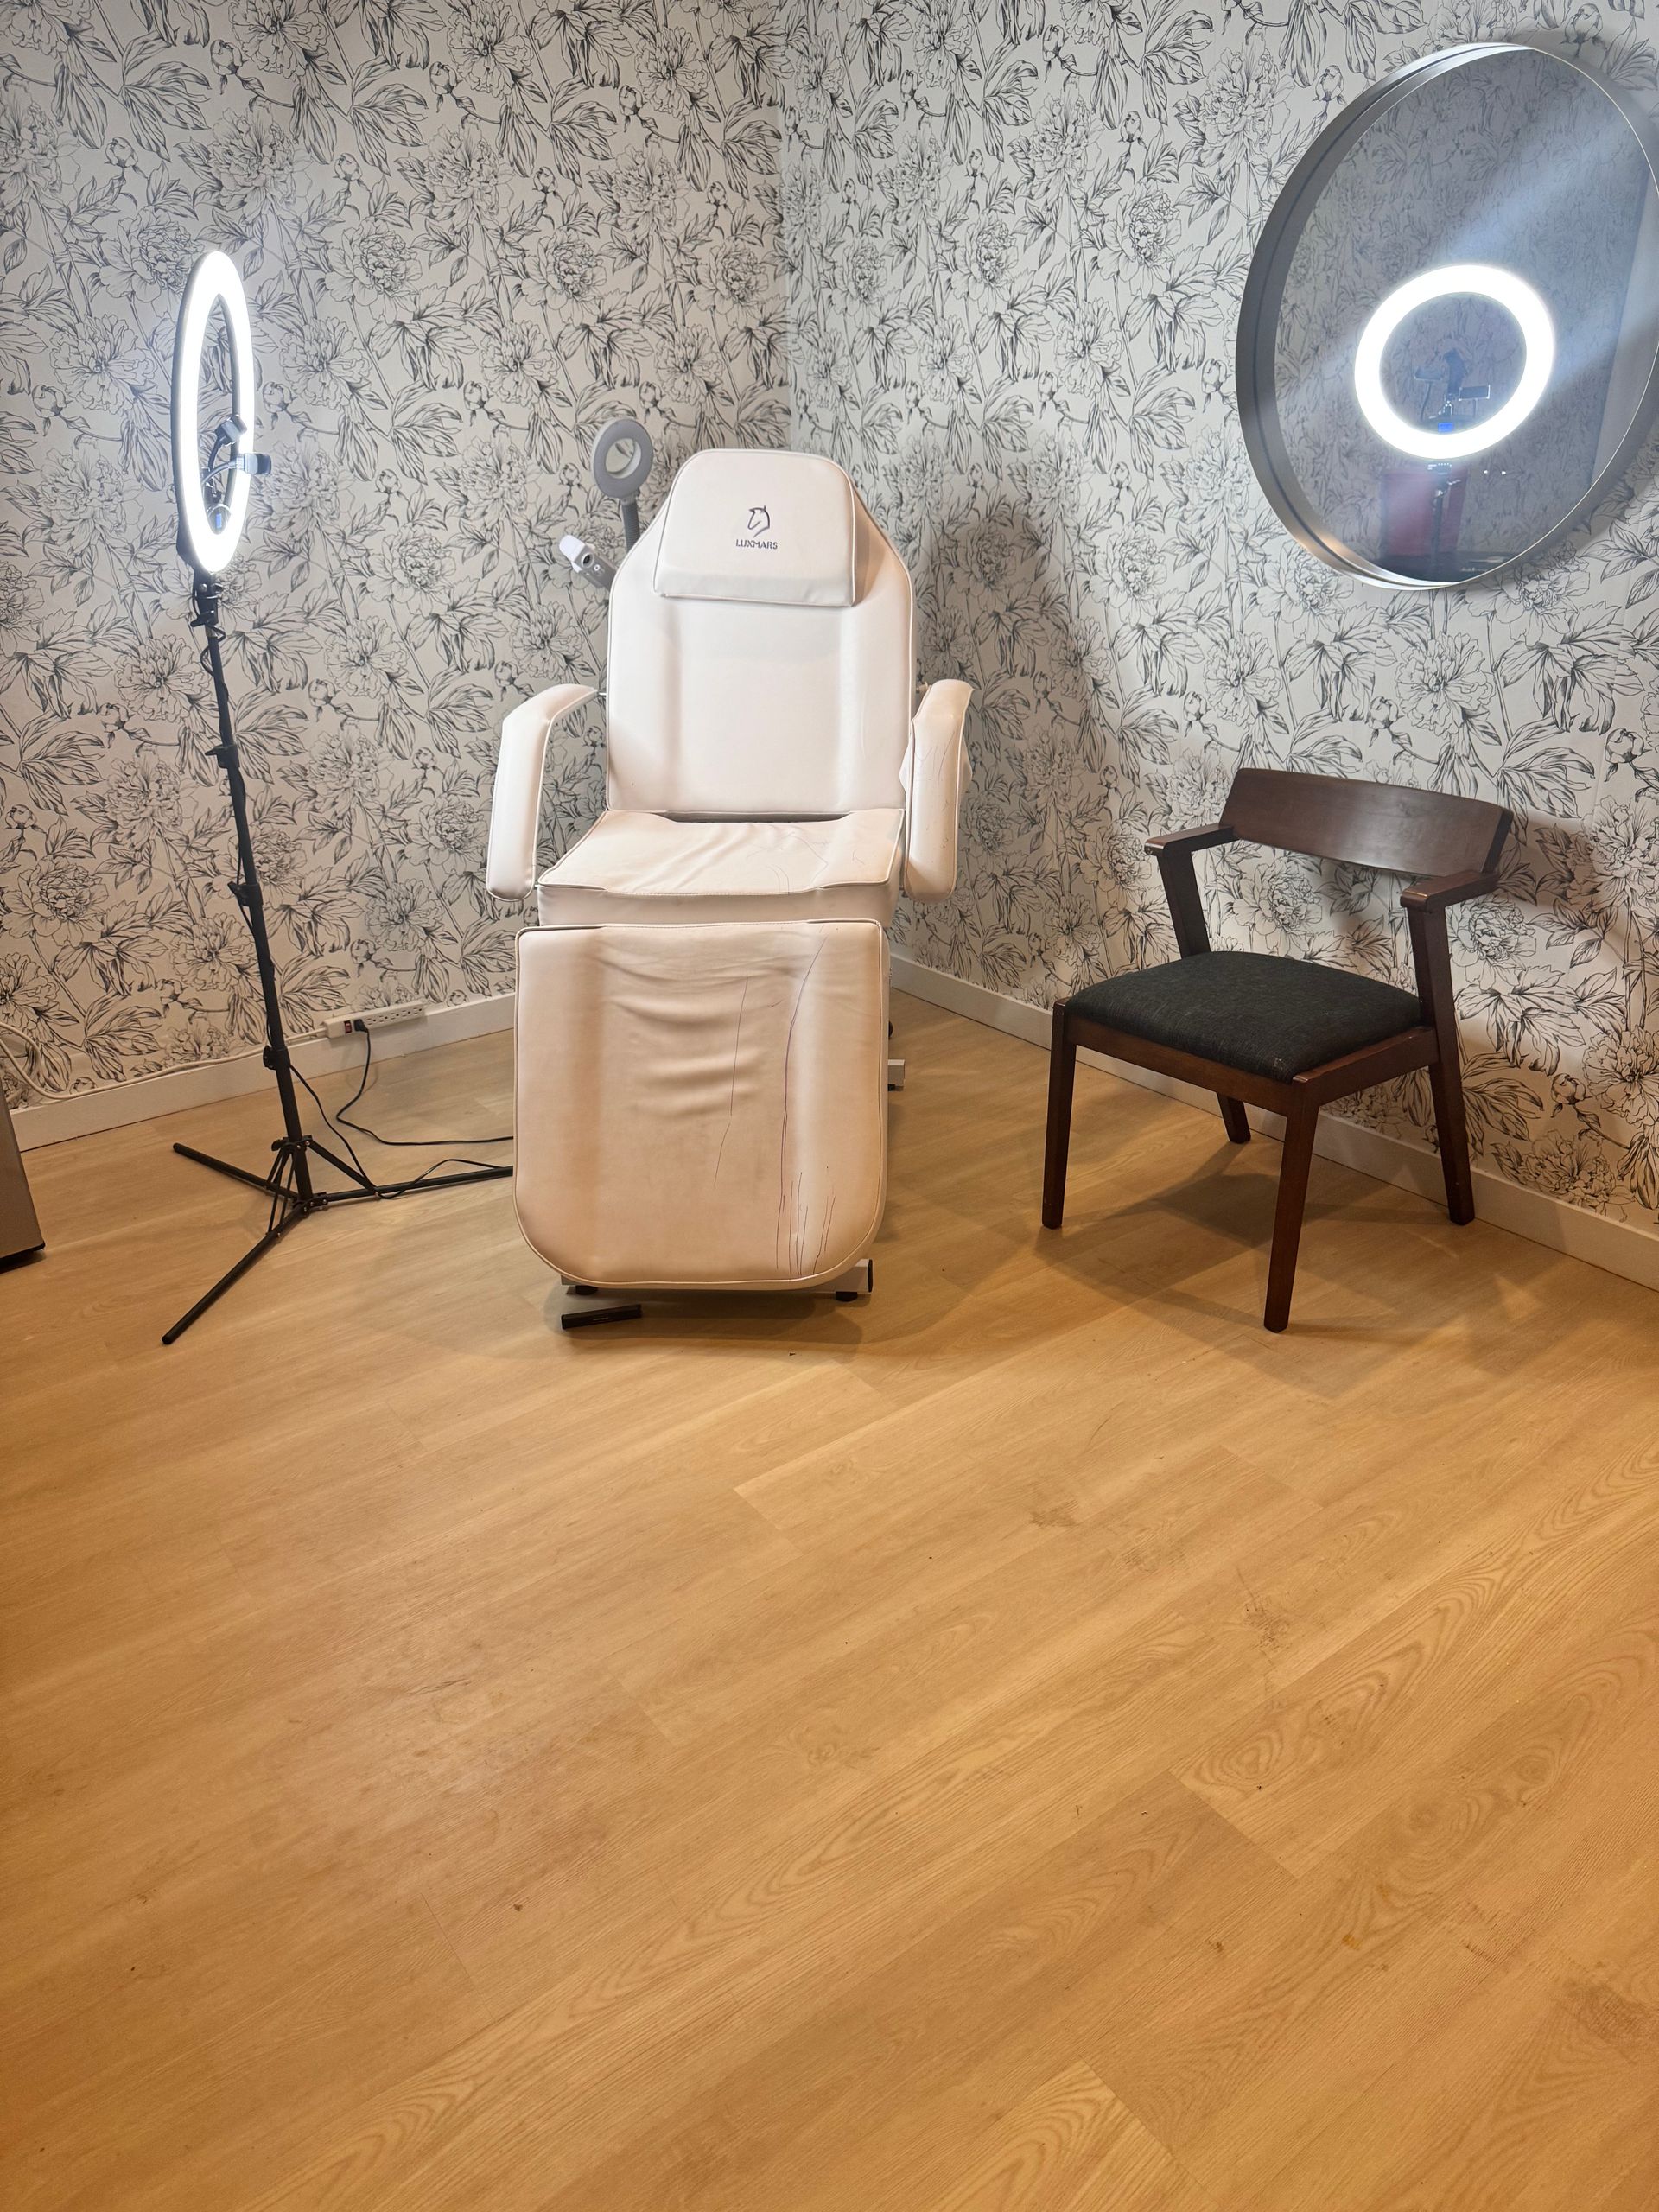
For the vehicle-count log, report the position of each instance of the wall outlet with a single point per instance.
(374, 1017)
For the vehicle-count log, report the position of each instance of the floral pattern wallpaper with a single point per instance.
(471, 231)
(1016, 232)
(987, 253)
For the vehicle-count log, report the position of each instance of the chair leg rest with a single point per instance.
(1452, 1132)
(1062, 1072)
(1299, 1126)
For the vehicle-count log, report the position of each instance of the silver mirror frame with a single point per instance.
(1264, 287)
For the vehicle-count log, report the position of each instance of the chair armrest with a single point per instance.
(517, 802)
(936, 776)
(1443, 891)
(1192, 840)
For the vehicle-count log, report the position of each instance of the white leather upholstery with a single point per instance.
(934, 783)
(767, 528)
(636, 867)
(702, 1019)
(715, 706)
(517, 804)
(702, 1107)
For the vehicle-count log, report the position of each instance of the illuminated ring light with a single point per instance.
(1537, 332)
(215, 280)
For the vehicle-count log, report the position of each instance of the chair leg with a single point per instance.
(1446, 1081)
(1299, 1125)
(1062, 1074)
(1234, 1119)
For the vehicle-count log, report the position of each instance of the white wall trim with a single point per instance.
(1620, 1246)
(49, 1121)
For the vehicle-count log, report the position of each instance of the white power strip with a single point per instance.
(374, 1017)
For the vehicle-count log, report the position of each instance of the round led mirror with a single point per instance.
(1449, 342)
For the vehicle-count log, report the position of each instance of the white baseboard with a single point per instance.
(1620, 1246)
(51, 1119)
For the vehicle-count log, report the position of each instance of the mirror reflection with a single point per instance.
(1466, 318)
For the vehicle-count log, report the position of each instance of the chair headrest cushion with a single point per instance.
(775, 529)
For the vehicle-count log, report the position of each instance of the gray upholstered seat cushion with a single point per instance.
(1252, 1010)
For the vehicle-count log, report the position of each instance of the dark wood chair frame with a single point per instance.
(1455, 843)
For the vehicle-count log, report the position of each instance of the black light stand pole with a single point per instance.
(290, 1147)
(288, 1185)
(213, 505)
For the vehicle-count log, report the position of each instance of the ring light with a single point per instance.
(1537, 332)
(207, 541)
(213, 507)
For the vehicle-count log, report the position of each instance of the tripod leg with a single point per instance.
(334, 1160)
(265, 1183)
(256, 1252)
(441, 1182)
(368, 1189)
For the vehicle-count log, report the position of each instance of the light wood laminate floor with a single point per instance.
(1033, 1742)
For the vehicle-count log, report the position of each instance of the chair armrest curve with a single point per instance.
(516, 803)
(1439, 892)
(937, 773)
(1192, 841)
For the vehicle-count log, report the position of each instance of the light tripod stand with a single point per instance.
(208, 538)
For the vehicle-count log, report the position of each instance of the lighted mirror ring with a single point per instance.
(1456, 280)
(1263, 296)
(214, 282)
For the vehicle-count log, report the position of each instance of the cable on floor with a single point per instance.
(342, 1121)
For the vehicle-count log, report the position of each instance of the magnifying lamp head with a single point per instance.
(627, 443)
(209, 533)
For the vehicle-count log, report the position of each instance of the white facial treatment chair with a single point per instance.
(703, 1066)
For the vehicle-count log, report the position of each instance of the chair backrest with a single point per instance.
(762, 662)
(1393, 827)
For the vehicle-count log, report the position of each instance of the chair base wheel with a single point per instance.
(858, 1282)
(598, 1318)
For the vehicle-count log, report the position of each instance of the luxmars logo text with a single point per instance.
(760, 521)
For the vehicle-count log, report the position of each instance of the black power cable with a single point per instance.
(341, 1120)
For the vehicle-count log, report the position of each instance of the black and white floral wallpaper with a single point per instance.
(470, 230)
(1016, 234)
(1003, 290)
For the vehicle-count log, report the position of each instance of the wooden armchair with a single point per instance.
(1292, 1035)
